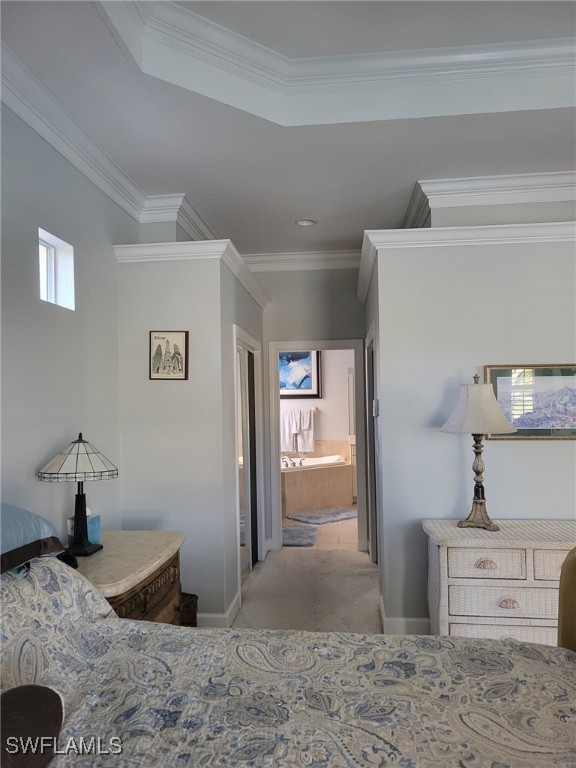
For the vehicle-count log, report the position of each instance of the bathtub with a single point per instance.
(326, 481)
(319, 461)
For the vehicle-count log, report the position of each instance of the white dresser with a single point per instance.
(501, 584)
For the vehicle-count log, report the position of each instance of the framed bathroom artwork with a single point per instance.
(168, 354)
(299, 374)
(539, 400)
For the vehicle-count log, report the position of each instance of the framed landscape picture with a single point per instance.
(168, 355)
(539, 400)
(299, 374)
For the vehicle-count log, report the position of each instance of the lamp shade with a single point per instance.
(77, 462)
(477, 412)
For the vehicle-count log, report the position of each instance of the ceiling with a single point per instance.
(197, 98)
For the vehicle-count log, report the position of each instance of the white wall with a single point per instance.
(313, 304)
(444, 313)
(172, 430)
(178, 437)
(87, 370)
(59, 367)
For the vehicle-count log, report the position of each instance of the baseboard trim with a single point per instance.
(402, 626)
(222, 620)
(406, 626)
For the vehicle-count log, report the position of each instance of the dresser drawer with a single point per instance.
(503, 601)
(545, 635)
(547, 563)
(151, 598)
(167, 610)
(486, 563)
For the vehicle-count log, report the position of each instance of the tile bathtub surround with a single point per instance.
(316, 488)
(327, 448)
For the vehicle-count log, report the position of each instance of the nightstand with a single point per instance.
(138, 572)
(497, 584)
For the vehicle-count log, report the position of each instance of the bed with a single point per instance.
(139, 694)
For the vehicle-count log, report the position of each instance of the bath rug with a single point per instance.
(322, 516)
(292, 535)
(298, 536)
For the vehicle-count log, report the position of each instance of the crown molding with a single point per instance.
(172, 251)
(239, 269)
(192, 223)
(501, 190)
(379, 241)
(512, 189)
(223, 250)
(302, 261)
(131, 18)
(162, 208)
(28, 98)
(182, 47)
(417, 214)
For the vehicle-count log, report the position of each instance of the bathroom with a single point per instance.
(322, 474)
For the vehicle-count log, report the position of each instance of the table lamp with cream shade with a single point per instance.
(477, 413)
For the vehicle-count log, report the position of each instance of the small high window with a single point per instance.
(56, 262)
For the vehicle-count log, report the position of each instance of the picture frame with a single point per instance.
(300, 374)
(168, 355)
(539, 399)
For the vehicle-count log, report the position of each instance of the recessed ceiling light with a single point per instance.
(305, 222)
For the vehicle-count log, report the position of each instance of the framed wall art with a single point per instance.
(539, 400)
(168, 353)
(299, 374)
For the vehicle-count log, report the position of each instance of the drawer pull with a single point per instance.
(509, 604)
(485, 565)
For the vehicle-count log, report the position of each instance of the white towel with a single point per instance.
(295, 419)
(305, 441)
(289, 428)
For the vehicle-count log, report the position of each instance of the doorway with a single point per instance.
(355, 402)
(249, 452)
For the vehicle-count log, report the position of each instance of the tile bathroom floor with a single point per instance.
(340, 535)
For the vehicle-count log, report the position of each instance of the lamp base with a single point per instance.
(84, 550)
(81, 546)
(478, 517)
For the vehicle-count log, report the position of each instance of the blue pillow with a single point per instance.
(24, 536)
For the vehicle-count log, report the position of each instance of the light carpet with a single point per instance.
(298, 536)
(323, 516)
(316, 590)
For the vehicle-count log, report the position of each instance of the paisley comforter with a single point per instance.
(138, 694)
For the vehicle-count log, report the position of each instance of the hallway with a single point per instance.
(329, 587)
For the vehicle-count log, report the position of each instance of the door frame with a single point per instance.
(274, 347)
(243, 341)
(372, 444)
